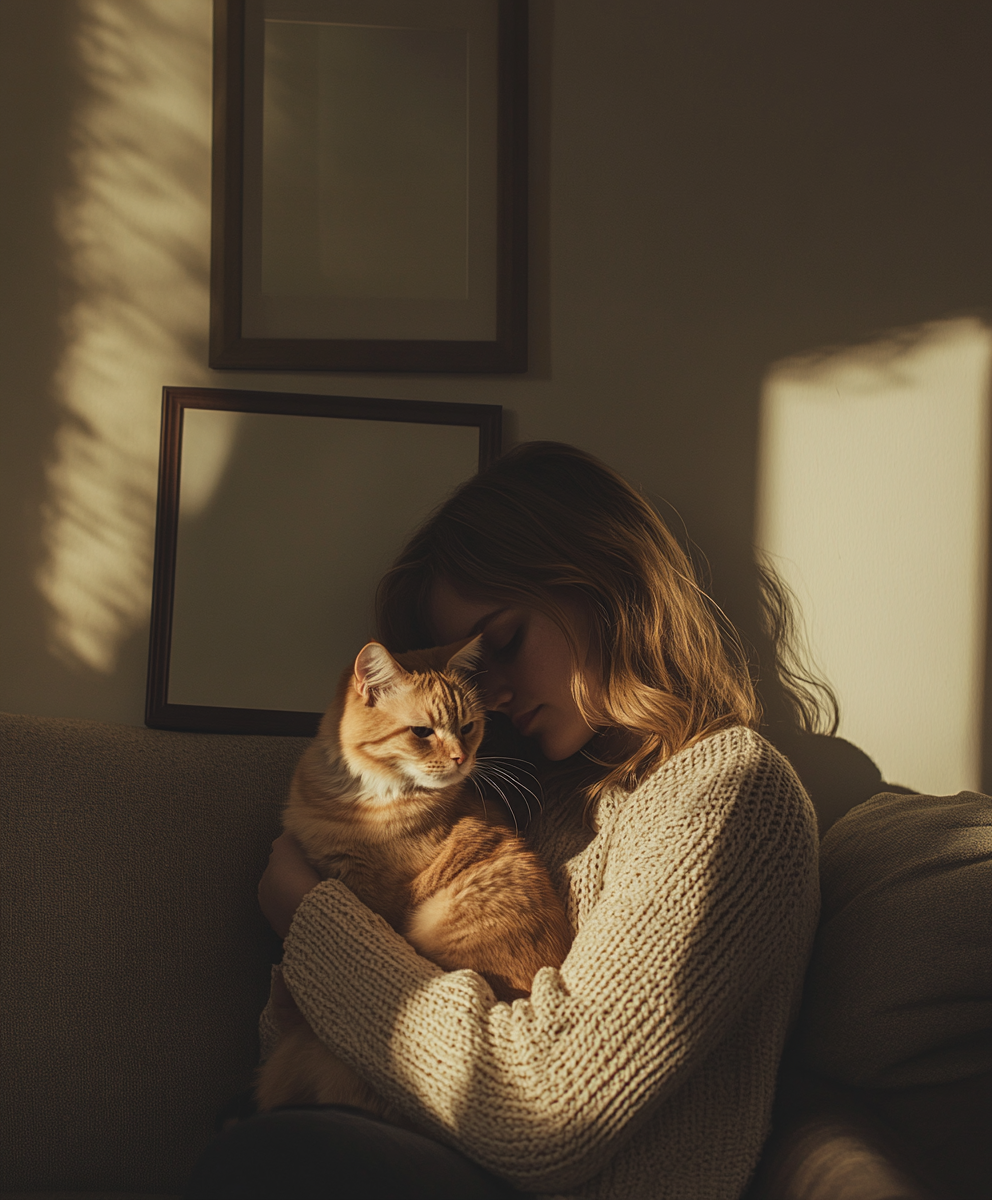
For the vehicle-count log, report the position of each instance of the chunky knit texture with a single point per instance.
(645, 1066)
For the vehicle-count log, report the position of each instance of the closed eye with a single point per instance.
(422, 731)
(467, 728)
(509, 648)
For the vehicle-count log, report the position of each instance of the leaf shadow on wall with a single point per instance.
(124, 311)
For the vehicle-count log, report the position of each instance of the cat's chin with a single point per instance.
(385, 789)
(431, 783)
(435, 783)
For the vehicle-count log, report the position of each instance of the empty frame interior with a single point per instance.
(281, 525)
(370, 198)
(370, 185)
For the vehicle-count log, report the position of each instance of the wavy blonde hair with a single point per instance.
(548, 521)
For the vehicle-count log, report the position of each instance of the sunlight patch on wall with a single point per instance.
(873, 503)
(135, 229)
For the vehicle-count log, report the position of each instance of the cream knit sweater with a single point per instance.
(645, 1066)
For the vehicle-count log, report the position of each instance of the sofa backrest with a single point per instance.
(135, 958)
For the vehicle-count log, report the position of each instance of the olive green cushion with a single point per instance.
(135, 958)
(899, 990)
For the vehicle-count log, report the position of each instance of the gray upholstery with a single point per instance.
(899, 990)
(135, 964)
(135, 959)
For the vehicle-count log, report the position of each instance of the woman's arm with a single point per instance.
(286, 880)
(699, 907)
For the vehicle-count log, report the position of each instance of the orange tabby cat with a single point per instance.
(383, 800)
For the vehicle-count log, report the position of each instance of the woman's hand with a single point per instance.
(285, 882)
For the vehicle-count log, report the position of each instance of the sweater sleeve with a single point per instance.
(701, 902)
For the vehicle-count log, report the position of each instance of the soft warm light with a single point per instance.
(874, 505)
(135, 230)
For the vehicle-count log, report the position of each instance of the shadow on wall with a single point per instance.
(127, 311)
(134, 228)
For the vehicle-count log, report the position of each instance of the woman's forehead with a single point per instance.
(454, 617)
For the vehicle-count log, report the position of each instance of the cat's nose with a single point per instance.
(458, 754)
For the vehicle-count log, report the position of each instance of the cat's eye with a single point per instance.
(468, 728)
(422, 731)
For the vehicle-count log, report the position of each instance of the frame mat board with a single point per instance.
(231, 349)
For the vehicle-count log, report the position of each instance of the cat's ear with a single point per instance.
(468, 658)
(376, 671)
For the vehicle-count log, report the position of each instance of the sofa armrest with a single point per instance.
(834, 1142)
(135, 957)
(830, 1156)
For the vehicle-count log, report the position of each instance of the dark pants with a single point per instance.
(331, 1153)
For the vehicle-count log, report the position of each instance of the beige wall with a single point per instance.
(717, 187)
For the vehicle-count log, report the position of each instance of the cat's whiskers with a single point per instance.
(526, 769)
(491, 780)
(511, 775)
(492, 769)
(509, 807)
(508, 781)
(514, 775)
(482, 796)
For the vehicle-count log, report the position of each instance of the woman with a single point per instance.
(682, 841)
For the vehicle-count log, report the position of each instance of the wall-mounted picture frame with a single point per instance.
(277, 515)
(369, 185)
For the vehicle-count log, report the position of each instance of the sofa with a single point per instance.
(136, 962)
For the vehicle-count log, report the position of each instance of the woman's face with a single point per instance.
(527, 668)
